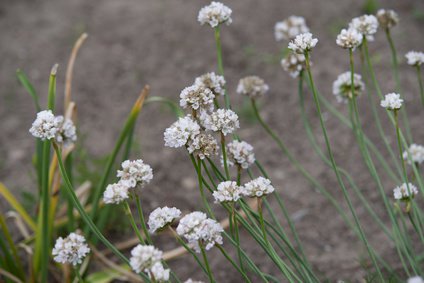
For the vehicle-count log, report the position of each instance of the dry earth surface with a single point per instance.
(132, 43)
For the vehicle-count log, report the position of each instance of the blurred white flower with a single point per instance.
(215, 14)
(212, 81)
(192, 281)
(178, 134)
(202, 145)
(161, 217)
(415, 58)
(197, 97)
(159, 273)
(227, 191)
(135, 173)
(252, 86)
(303, 43)
(143, 257)
(258, 187)
(293, 63)
(349, 38)
(417, 153)
(290, 28)
(240, 153)
(72, 249)
(47, 126)
(415, 279)
(404, 191)
(392, 101)
(222, 120)
(342, 87)
(115, 193)
(387, 18)
(367, 25)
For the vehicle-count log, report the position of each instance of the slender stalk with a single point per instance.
(78, 275)
(220, 63)
(261, 219)
(420, 82)
(233, 263)
(224, 156)
(205, 260)
(141, 216)
(198, 166)
(132, 221)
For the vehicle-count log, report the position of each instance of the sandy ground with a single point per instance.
(132, 43)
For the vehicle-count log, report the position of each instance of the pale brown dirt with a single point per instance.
(132, 43)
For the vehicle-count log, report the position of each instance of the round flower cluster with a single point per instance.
(71, 249)
(47, 126)
(258, 187)
(212, 81)
(405, 192)
(387, 18)
(252, 86)
(178, 134)
(146, 258)
(349, 39)
(161, 217)
(240, 153)
(203, 145)
(415, 279)
(392, 101)
(342, 87)
(415, 58)
(303, 42)
(293, 63)
(290, 28)
(135, 173)
(197, 229)
(417, 153)
(196, 281)
(115, 193)
(215, 14)
(227, 191)
(197, 97)
(366, 25)
(222, 120)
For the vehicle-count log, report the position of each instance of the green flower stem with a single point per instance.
(206, 169)
(420, 82)
(205, 260)
(334, 165)
(224, 156)
(261, 219)
(142, 220)
(233, 221)
(239, 269)
(238, 175)
(220, 63)
(78, 275)
(198, 166)
(132, 221)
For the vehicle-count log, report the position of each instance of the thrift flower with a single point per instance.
(415, 58)
(212, 81)
(71, 249)
(392, 101)
(143, 257)
(115, 193)
(215, 14)
(258, 187)
(161, 217)
(197, 97)
(387, 18)
(293, 64)
(342, 87)
(178, 134)
(290, 28)
(227, 191)
(349, 39)
(405, 192)
(303, 43)
(192, 281)
(367, 25)
(252, 86)
(415, 279)
(159, 273)
(47, 126)
(222, 120)
(240, 153)
(417, 153)
(203, 145)
(135, 173)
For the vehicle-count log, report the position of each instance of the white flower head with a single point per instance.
(227, 191)
(115, 193)
(203, 145)
(290, 28)
(72, 249)
(212, 81)
(192, 281)
(222, 120)
(342, 87)
(258, 187)
(197, 97)
(47, 126)
(190, 225)
(240, 153)
(303, 42)
(252, 86)
(387, 18)
(405, 192)
(415, 279)
(392, 101)
(415, 58)
(178, 134)
(143, 257)
(349, 38)
(366, 25)
(135, 173)
(293, 63)
(215, 14)
(161, 217)
(68, 133)
(159, 273)
(417, 153)
(209, 235)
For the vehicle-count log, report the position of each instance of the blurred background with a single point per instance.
(160, 43)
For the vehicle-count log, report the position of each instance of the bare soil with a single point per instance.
(132, 43)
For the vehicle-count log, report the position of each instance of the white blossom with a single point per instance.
(227, 191)
(71, 249)
(240, 153)
(215, 14)
(415, 58)
(415, 279)
(159, 273)
(143, 257)
(290, 28)
(212, 81)
(342, 87)
(115, 193)
(303, 42)
(252, 86)
(178, 134)
(349, 38)
(161, 217)
(135, 173)
(192, 281)
(222, 120)
(387, 18)
(405, 192)
(293, 63)
(417, 153)
(367, 25)
(202, 145)
(392, 101)
(47, 126)
(258, 187)
(197, 97)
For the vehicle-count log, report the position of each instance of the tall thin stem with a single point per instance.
(142, 220)
(224, 156)
(420, 82)
(132, 221)
(205, 260)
